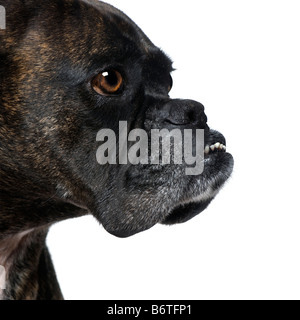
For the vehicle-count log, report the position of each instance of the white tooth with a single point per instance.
(224, 148)
(217, 145)
(206, 150)
(212, 148)
(221, 146)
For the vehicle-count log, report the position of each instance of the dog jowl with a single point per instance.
(70, 68)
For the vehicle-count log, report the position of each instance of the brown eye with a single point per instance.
(108, 82)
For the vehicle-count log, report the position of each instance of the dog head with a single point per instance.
(71, 68)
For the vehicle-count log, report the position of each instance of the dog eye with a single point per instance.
(108, 82)
(171, 84)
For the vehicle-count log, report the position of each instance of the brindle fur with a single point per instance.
(49, 119)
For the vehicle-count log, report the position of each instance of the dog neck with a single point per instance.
(28, 267)
(11, 247)
(29, 272)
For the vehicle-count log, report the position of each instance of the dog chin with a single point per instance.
(195, 194)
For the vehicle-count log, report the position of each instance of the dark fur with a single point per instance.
(49, 118)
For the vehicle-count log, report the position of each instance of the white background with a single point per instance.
(241, 59)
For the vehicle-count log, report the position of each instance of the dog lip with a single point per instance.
(176, 123)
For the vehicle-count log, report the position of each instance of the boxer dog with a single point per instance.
(68, 69)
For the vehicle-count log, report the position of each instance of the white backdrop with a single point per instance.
(241, 59)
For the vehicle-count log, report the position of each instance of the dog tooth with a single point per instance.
(224, 148)
(217, 145)
(212, 148)
(206, 150)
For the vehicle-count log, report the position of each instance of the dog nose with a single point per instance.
(181, 113)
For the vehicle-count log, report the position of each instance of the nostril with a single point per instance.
(196, 117)
(191, 115)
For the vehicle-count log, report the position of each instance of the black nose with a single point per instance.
(177, 112)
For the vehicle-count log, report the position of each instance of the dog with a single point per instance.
(68, 69)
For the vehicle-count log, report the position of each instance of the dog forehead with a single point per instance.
(96, 23)
(91, 24)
